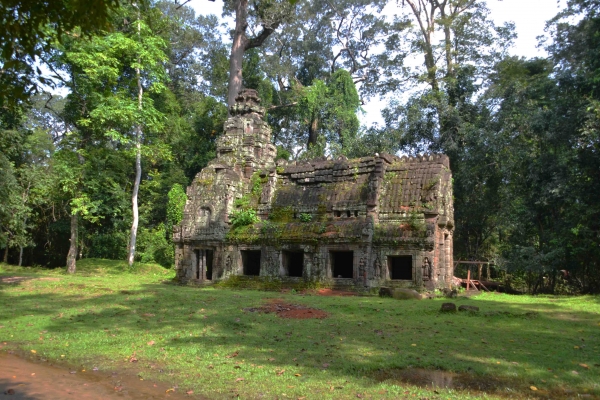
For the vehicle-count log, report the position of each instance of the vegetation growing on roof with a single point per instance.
(306, 217)
(281, 214)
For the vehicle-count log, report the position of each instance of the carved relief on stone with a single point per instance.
(228, 263)
(268, 190)
(430, 228)
(271, 264)
(362, 265)
(315, 261)
(427, 269)
(203, 217)
(377, 268)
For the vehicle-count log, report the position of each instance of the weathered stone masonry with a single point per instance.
(372, 221)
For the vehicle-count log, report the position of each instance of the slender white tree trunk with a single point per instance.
(134, 199)
(138, 164)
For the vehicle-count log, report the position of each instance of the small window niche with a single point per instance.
(293, 263)
(342, 264)
(251, 262)
(400, 268)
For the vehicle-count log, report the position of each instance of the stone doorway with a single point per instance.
(293, 263)
(400, 268)
(204, 268)
(342, 264)
(251, 262)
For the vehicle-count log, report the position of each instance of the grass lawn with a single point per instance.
(201, 339)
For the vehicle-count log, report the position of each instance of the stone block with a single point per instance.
(406, 294)
(385, 292)
(450, 293)
(448, 307)
(465, 307)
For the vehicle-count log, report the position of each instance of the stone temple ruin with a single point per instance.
(366, 222)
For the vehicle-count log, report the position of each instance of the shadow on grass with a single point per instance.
(190, 332)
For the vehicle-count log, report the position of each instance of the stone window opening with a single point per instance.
(338, 214)
(400, 268)
(348, 215)
(356, 214)
(251, 262)
(342, 264)
(293, 263)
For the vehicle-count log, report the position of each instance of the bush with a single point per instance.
(153, 246)
(243, 218)
(305, 217)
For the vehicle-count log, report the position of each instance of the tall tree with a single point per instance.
(460, 47)
(266, 14)
(112, 76)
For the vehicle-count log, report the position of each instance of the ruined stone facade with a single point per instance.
(367, 222)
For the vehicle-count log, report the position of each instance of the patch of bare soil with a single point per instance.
(19, 279)
(334, 292)
(13, 279)
(473, 384)
(21, 379)
(287, 310)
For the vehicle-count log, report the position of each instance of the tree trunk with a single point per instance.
(134, 201)
(138, 164)
(21, 246)
(446, 21)
(5, 259)
(238, 47)
(313, 133)
(72, 255)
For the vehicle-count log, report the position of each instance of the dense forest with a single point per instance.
(108, 110)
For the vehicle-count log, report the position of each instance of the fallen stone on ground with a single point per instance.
(406, 294)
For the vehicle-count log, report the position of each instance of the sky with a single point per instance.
(530, 17)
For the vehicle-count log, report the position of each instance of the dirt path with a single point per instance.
(21, 379)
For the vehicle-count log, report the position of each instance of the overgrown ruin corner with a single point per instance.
(364, 223)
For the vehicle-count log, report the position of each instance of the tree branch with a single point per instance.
(283, 106)
(262, 36)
